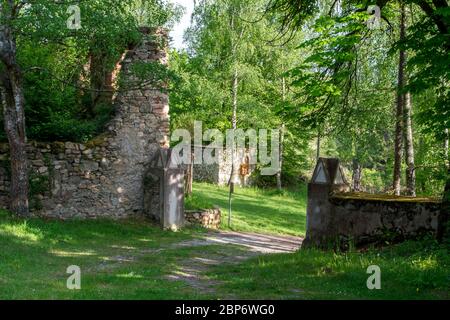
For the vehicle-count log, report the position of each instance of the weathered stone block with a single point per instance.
(86, 165)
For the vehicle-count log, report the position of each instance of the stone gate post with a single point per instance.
(328, 177)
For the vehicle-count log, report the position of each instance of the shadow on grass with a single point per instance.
(312, 274)
(36, 253)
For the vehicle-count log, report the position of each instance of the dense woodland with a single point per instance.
(334, 81)
(374, 97)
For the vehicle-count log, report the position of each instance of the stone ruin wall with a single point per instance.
(368, 221)
(103, 177)
(219, 173)
(333, 219)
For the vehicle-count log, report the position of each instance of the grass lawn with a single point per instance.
(411, 270)
(118, 260)
(256, 210)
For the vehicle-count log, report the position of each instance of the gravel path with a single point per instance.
(253, 242)
(193, 270)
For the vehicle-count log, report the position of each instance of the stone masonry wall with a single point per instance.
(219, 173)
(369, 220)
(338, 220)
(104, 177)
(208, 218)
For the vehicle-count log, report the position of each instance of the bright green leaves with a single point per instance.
(323, 77)
(429, 66)
(57, 60)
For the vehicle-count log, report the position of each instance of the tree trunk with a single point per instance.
(446, 144)
(443, 231)
(356, 176)
(234, 120)
(13, 102)
(235, 39)
(234, 126)
(398, 144)
(318, 145)
(189, 178)
(409, 147)
(14, 123)
(444, 218)
(279, 182)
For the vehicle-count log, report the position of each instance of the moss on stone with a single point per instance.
(4, 147)
(58, 147)
(98, 141)
(383, 197)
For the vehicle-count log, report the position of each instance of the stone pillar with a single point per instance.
(328, 177)
(173, 214)
(141, 124)
(164, 190)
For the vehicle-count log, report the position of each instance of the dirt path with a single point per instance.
(229, 248)
(254, 242)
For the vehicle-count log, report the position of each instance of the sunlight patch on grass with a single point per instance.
(425, 263)
(62, 253)
(256, 210)
(22, 231)
(123, 247)
(130, 275)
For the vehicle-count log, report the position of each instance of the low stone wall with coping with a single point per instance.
(338, 218)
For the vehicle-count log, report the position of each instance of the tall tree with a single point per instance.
(399, 118)
(282, 132)
(429, 40)
(13, 102)
(409, 146)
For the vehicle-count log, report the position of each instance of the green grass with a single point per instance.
(256, 210)
(36, 253)
(412, 270)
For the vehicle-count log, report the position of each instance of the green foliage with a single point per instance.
(446, 235)
(58, 84)
(346, 85)
(228, 36)
(39, 185)
(429, 71)
(373, 180)
(62, 127)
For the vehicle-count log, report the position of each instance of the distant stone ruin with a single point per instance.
(219, 173)
(338, 218)
(104, 177)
